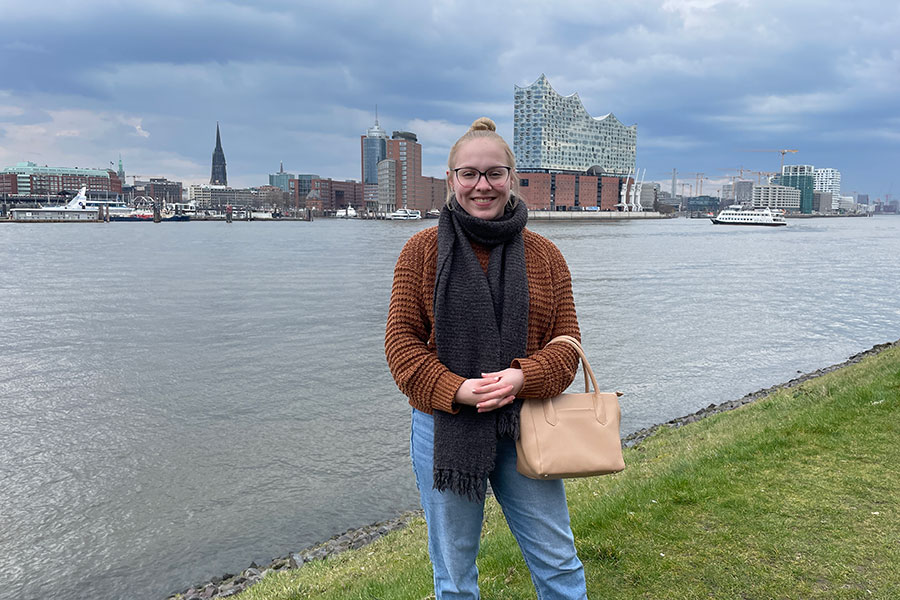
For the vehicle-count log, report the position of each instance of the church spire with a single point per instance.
(218, 175)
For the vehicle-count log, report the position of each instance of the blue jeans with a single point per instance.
(536, 512)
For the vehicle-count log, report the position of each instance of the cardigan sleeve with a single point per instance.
(550, 370)
(413, 363)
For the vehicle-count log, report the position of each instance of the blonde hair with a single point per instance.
(483, 127)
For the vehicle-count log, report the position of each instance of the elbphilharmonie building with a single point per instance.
(555, 133)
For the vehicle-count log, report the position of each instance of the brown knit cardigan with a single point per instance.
(409, 335)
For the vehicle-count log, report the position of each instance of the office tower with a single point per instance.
(373, 150)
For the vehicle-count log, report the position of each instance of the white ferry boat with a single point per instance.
(405, 214)
(76, 210)
(738, 215)
(346, 213)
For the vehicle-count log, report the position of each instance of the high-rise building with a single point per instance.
(828, 180)
(281, 179)
(218, 176)
(556, 133)
(387, 186)
(404, 148)
(373, 150)
(801, 177)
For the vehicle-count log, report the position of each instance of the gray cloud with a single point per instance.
(702, 79)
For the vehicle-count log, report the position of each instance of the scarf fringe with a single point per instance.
(508, 422)
(464, 484)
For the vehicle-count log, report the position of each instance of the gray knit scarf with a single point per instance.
(480, 326)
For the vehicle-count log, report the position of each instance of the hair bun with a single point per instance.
(483, 124)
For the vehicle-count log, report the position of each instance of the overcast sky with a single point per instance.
(704, 80)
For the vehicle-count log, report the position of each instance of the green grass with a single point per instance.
(794, 496)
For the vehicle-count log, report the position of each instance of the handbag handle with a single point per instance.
(599, 407)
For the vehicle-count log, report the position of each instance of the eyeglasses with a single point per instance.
(469, 177)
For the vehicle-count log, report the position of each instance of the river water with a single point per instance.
(179, 400)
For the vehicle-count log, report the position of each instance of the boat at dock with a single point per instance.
(738, 215)
(76, 209)
(433, 214)
(405, 214)
(346, 213)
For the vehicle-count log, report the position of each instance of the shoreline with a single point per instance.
(230, 584)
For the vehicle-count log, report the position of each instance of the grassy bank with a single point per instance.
(794, 496)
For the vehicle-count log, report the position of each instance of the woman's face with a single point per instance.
(483, 199)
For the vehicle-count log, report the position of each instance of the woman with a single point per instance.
(474, 302)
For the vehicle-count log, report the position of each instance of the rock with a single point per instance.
(296, 561)
(208, 592)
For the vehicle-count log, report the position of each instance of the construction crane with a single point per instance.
(698, 181)
(740, 170)
(760, 174)
(782, 152)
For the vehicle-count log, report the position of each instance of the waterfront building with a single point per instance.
(702, 203)
(327, 195)
(743, 192)
(801, 177)
(739, 192)
(387, 186)
(300, 187)
(823, 202)
(373, 150)
(567, 159)
(828, 180)
(556, 133)
(776, 196)
(570, 191)
(649, 195)
(9, 184)
(121, 171)
(157, 189)
(35, 180)
(281, 179)
(405, 149)
(218, 175)
(270, 196)
(219, 196)
(846, 204)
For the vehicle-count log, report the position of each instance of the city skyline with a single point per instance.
(702, 80)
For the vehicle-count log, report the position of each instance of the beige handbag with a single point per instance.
(571, 435)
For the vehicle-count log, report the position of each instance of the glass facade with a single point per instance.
(800, 177)
(374, 151)
(556, 133)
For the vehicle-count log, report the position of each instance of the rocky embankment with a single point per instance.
(230, 584)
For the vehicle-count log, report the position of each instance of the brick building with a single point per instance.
(32, 179)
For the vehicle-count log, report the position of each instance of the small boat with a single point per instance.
(346, 213)
(738, 215)
(405, 214)
(433, 214)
